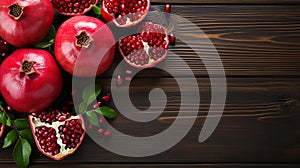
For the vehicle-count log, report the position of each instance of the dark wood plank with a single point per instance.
(260, 124)
(251, 40)
(160, 165)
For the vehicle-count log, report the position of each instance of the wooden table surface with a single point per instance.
(259, 44)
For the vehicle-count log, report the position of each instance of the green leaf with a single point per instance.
(8, 122)
(3, 118)
(10, 138)
(27, 134)
(22, 123)
(22, 152)
(82, 107)
(90, 93)
(92, 118)
(107, 112)
(48, 41)
(97, 10)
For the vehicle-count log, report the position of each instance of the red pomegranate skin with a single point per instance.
(34, 92)
(31, 27)
(84, 61)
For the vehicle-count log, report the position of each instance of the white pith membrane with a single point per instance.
(118, 11)
(64, 151)
(153, 50)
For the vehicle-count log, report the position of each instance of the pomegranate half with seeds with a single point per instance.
(84, 46)
(73, 7)
(147, 48)
(125, 13)
(30, 80)
(57, 134)
(25, 22)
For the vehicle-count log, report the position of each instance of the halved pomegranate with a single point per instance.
(73, 7)
(57, 134)
(125, 13)
(146, 48)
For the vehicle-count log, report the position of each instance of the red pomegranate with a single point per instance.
(146, 48)
(125, 13)
(73, 7)
(25, 22)
(30, 80)
(84, 43)
(57, 134)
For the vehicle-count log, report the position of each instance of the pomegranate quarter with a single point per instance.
(146, 48)
(57, 134)
(73, 7)
(125, 13)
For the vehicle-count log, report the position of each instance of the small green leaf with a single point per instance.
(107, 112)
(8, 122)
(90, 93)
(27, 134)
(22, 152)
(97, 10)
(51, 34)
(10, 138)
(3, 118)
(22, 123)
(82, 107)
(93, 118)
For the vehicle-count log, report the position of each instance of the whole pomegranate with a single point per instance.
(146, 48)
(74, 7)
(25, 22)
(84, 43)
(125, 13)
(30, 80)
(57, 134)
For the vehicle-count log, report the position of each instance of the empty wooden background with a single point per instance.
(259, 44)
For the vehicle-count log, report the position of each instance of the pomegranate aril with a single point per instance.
(119, 80)
(167, 8)
(106, 98)
(100, 131)
(108, 132)
(172, 38)
(97, 105)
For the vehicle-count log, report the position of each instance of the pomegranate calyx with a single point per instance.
(83, 39)
(27, 67)
(16, 11)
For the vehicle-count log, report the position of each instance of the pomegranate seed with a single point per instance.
(128, 78)
(98, 104)
(101, 118)
(107, 132)
(172, 38)
(129, 72)
(106, 98)
(90, 126)
(168, 8)
(100, 131)
(119, 80)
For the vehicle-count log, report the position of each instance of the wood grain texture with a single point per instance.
(251, 40)
(260, 49)
(260, 124)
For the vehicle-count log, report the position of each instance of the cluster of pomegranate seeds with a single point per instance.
(49, 116)
(71, 133)
(150, 44)
(73, 6)
(47, 139)
(126, 9)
